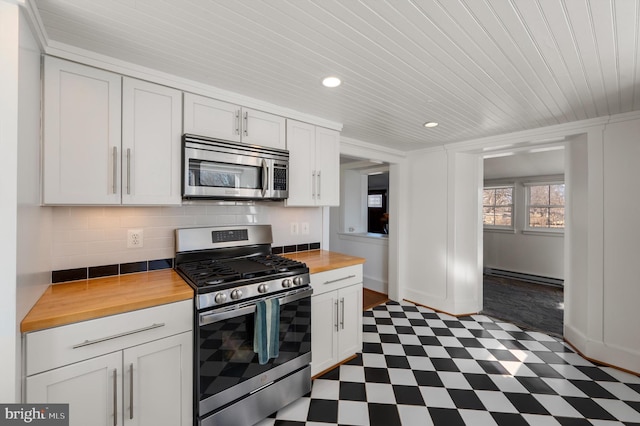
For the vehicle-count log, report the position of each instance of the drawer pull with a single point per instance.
(116, 336)
(340, 279)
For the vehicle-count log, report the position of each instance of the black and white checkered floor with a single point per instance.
(419, 367)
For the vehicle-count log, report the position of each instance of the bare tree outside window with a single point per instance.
(546, 206)
(497, 206)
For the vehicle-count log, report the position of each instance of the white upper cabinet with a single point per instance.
(314, 166)
(109, 140)
(216, 119)
(151, 148)
(82, 134)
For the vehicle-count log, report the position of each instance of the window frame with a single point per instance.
(538, 229)
(501, 228)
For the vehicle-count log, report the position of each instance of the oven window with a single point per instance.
(226, 355)
(221, 175)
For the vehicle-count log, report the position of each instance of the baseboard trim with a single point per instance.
(537, 279)
(440, 310)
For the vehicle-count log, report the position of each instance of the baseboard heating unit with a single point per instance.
(537, 279)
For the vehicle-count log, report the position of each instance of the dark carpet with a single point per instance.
(528, 305)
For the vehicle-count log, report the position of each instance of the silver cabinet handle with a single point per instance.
(128, 171)
(319, 184)
(116, 336)
(313, 184)
(337, 320)
(115, 397)
(131, 391)
(237, 122)
(246, 124)
(115, 168)
(339, 279)
(342, 317)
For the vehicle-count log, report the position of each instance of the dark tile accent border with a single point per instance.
(130, 268)
(103, 271)
(69, 275)
(155, 265)
(295, 248)
(109, 270)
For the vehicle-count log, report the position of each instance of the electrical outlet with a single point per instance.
(294, 228)
(135, 238)
(305, 228)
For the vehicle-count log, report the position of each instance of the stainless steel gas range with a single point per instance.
(252, 323)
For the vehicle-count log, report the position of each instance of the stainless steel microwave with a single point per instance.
(218, 169)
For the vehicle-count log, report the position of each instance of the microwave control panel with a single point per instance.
(279, 178)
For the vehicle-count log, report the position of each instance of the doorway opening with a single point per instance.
(523, 238)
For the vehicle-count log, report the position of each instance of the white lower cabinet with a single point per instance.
(144, 384)
(336, 317)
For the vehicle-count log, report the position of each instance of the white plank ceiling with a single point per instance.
(478, 67)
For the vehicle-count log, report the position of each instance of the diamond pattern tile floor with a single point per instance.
(419, 367)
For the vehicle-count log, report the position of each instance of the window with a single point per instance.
(545, 203)
(497, 207)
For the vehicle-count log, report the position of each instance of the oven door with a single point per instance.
(227, 367)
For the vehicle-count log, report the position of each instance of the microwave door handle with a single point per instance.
(265, 177)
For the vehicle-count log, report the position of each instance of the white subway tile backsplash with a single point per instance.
(94, 236)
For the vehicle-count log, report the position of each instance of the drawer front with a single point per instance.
(55, 347)
(336, 279)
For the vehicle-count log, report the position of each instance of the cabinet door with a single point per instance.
(158, 382)
(328, 167)
(261, 128)
(151, 143)
(350, 326)
(82, 134)
(209, 117)
(324, 336)
(92, 389)
(302, 179)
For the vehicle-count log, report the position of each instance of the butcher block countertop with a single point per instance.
(75, 301)
(322, 260)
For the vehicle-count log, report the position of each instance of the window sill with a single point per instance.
(543, 232)
(365, 237)
(500, 230)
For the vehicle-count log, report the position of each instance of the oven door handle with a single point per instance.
(239, 310)
(265, 177)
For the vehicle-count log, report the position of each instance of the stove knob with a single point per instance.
(263, 288)
(220, 298)
(286, 283)
(297, 281)
(236, 294)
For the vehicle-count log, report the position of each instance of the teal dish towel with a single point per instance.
(266, 339)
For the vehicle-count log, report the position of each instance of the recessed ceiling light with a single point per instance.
(430, 124)
(331, 82)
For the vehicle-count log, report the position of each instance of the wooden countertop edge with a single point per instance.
(75, 301)
(324, 260)
(37, 324)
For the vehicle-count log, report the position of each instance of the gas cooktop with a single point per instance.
(229, 264)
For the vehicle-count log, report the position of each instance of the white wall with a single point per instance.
(534, 254)
(33, 222)
(9, 36)
(94, 236)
